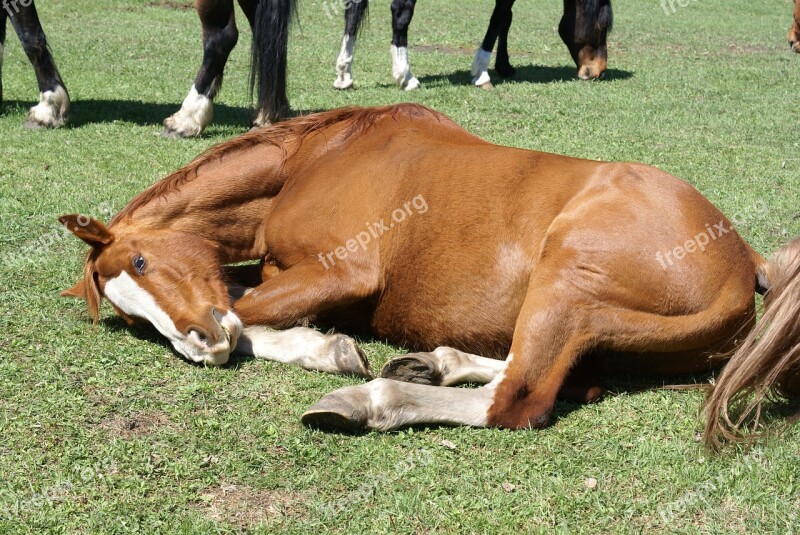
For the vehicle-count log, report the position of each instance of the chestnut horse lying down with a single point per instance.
(398, 222)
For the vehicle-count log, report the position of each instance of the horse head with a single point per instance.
(170, 279)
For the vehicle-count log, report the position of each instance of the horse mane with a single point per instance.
(594, 18)
(358, 119)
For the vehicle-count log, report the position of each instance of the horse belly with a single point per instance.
(421, 316)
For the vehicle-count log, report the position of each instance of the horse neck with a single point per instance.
(227, 203)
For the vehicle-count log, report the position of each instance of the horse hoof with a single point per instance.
(343, 82)
(349, 358)
(412, 368)
(412, 84)
(172, 130)
(333, 412)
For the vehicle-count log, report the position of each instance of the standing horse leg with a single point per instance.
(3, 17)
(402, 13)
(53, 106)
(500, 19)
(353, 17)
(219, 38)
(501, 62)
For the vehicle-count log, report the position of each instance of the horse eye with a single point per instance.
(139, 263)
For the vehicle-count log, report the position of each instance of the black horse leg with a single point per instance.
(499, 23)
(501, 62)
(353, 17)
(219, 38)
(402, 13)
(3, 17)
(53, 106)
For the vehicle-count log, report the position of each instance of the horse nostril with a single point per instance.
(199, 335)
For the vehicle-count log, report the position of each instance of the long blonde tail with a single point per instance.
(767, 363)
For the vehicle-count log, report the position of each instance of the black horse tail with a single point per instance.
(271, 25)
(593, 21)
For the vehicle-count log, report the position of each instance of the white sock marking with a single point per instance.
(401, 72)
(195, 114)
(344, 79)
(480, 67)
(52, 109)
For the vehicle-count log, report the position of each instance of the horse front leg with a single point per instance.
(295, 294)
(53, 107)
(219, 37)
(353, 17)
(402, 13)
(500, 20)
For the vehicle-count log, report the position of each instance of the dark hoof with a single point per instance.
(349, 358)
(334, 413)
(412, 368)
(505, 70)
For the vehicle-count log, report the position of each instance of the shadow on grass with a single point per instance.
(94, 111)
(534, 74)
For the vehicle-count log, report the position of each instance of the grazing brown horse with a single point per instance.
(398, 222)
(794, 31)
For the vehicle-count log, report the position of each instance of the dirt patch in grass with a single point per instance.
(138, 424)
(244, 507)
(171, 4)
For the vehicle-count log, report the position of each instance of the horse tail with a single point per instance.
(594, 19)
(767, 363)
(271, 25)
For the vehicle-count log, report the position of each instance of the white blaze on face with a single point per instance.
(134, 300)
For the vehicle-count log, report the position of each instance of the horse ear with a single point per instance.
(79, 291)
(88, 229)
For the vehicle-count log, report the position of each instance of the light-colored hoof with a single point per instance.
(179, 128)
(334, 412)
(349, 358)
(416, 368)
(483, 80)
(412, 84)
(343, 82)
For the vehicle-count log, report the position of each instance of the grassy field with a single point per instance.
(104, 429)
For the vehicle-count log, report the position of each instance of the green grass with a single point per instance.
(104, 429)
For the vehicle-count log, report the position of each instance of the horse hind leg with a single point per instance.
(219, 37)
(501, 63)
(499, 23)
(53, 107)
(443, 366)
(353, 17)
(402, 13)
